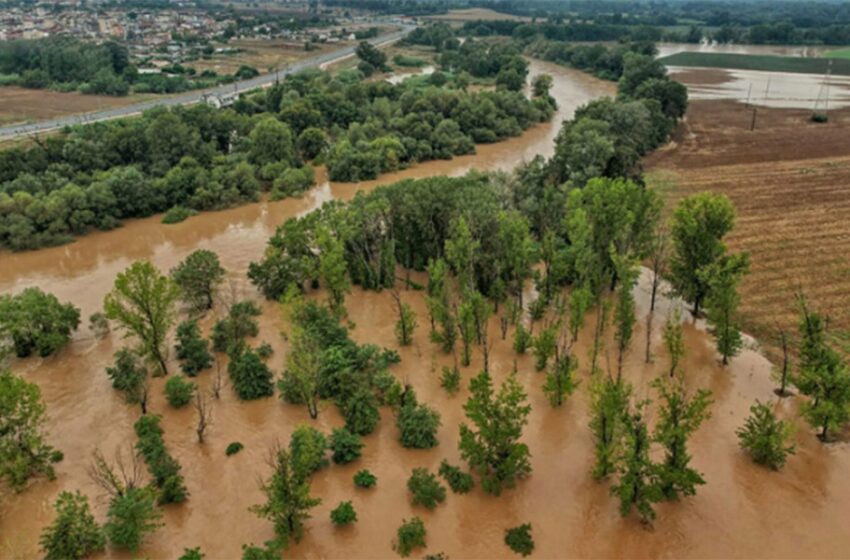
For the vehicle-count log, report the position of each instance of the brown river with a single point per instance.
(743, 511)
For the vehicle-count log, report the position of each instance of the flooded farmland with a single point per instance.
(744, 511)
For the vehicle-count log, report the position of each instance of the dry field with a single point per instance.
(790, 182)
(22, 105)
(260, 54)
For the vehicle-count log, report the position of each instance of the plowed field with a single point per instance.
(790, 182)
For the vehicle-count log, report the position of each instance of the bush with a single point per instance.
(293, 182)
(346, 446)
(251, 377)
(192, 348)
(426, 488)
(410, 535)
(450, 379)
(233, 448)
(99, 324)
(131, 517)
(178, 391)
(820, 117)
(307, 449)
(519, 539)
(192, 554)
(460, 482)
(765, 437)
(522, 339)
(361, 412)
(365, 479)
(37, 322)
(177, 214)
(344, 514)
(162, 466)
(74, 533)
(238, 325)
(416, 422)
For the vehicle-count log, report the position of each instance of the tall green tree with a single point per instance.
(130, 376)
(492, 447)
(23, 451)
(679, 416)
(333, 270)
(697, 228)
(271, 141)
(132, 515)
(460, 249)
(515, 252)
(609, 405)
(198, 277)
(674, 340)
(823, 377)
(723, 277)
(637, 486)
(406, 323)
(300, 381)
(74, 534)
(624, 312)
(37, 322)
(288, 501)
(142, 302)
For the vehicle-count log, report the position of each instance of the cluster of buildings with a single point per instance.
(138, 26)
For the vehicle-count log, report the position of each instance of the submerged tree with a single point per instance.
(23, 451)
(609, 404)
(406, 323)
(37, 322)
(765, 437)
(679, 418)
(492, 449)
(142, 302)
(674, 341)
(624, 311)
(637, 486)
(132, 515)
(198, 277)
(192, 348)
(417, 423)
(74, 534)
(130, 376)
(288, 500)
(333, 270)
(560, 380)
(823, 377)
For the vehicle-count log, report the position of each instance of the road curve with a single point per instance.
(21, 129)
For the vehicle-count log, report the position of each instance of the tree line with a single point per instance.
(198, 158)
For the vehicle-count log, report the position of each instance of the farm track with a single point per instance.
(790, 182)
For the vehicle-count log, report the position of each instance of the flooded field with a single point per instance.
(744, 511)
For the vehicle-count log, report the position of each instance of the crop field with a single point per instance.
(764, 63)
(838, 53)
(790, 182)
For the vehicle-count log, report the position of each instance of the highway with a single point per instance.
(27, 129)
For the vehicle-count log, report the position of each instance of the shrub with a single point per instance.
(460, 482)
(765, 437)
(293, 182)
(74, 533)
(177, 214)
(820, 117)
(192, 554)
(265, 351)
(519, 539)
(233, 448)
(410, 535)
(131, 517)
(178, 391)
(192, 348)
(361, 412)
(307, 449)
(162, 466)
(37, 322)
(426, 489)
(345, 446)
(238, 325)
(344, 514)
(522, 339)
(99, 324)
(365, 479)
(416, 422)
(450, 380)
(251, 377)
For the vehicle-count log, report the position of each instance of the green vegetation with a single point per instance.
(74, 534)
(346, 447)
(229, 333)
(417, 423)
(199, 276)
(460, 482)
(23, 451)
(307, 451)
(343, 514)
(130, 376)
(250, 376)
(37, 322)
(177, 214)
(837, 53)
(765, 437)
(365, 479)
(519, 539)
(179, 391)
(132, 515)
(233, 448)
(426, 490)
(164, 468)
(192, 349)
(410, 535)
(763, 63)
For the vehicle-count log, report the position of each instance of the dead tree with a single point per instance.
(204, 409)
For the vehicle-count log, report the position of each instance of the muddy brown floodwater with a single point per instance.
(744, 511)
